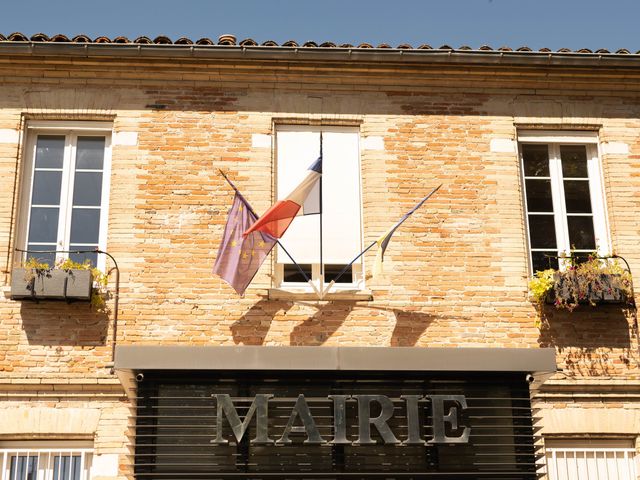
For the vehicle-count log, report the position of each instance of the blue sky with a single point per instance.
(555, 24)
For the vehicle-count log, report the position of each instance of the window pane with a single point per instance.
(46, 187)
(536, 160)
(23, 468)
(43, 225)
(292, 274)
(66, 467)
(581, 235)
(544, 260)
(332, 271)
(85, 225)
(92, 257)
(576, 196)
(542, 231)
(49, 151)
(574, 161)
(90, 153)
(87, 189)
(48, 258)
(539, 196)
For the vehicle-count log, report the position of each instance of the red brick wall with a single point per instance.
(456, 272)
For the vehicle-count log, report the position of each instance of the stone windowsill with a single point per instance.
(297, 294)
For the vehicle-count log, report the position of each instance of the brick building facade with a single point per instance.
(455, 274)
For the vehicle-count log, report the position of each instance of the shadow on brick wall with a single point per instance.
(316, 328)
(591, 341)
(410, 326)
(253, 326)
(59, 323)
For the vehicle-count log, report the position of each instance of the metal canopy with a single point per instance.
(174, 357)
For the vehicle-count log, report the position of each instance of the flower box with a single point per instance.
(51, 284)
(605, 288)
(598, 280)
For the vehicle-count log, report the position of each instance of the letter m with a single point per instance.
(225, 406)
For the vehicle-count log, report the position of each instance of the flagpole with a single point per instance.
(322, 292)
(304, 275)
(342, 272)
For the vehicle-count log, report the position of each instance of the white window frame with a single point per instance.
(46, 451)
(358, 274)
(71, 130)
(553, 139)
(566, 459)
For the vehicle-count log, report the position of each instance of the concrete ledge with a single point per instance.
(174, 357)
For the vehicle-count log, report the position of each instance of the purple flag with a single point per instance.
(239, 258)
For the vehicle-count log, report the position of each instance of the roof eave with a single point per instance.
(319, 54)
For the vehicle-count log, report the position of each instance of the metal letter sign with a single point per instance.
(456, 404)
(301, 409)
(225, 406)
(439, 418)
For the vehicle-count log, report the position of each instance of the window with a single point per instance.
(564, 198)
(583, 459)
(296, 149)
(26, 461)
(65, 191)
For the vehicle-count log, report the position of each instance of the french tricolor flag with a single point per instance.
(303, 200)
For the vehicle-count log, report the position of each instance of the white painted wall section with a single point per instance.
(502, 145)
(615, 148)
(373, 143)
(260, 140)
(8, 135)
(105, 465)
(125, 139)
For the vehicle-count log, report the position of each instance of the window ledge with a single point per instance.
(305, 294)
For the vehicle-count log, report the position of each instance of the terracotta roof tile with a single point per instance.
(143, 40)
(204, 41)
(226, 40)
(60, 38)
(162, 40)
(18, 37)
(230, 40)
(39, 37)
